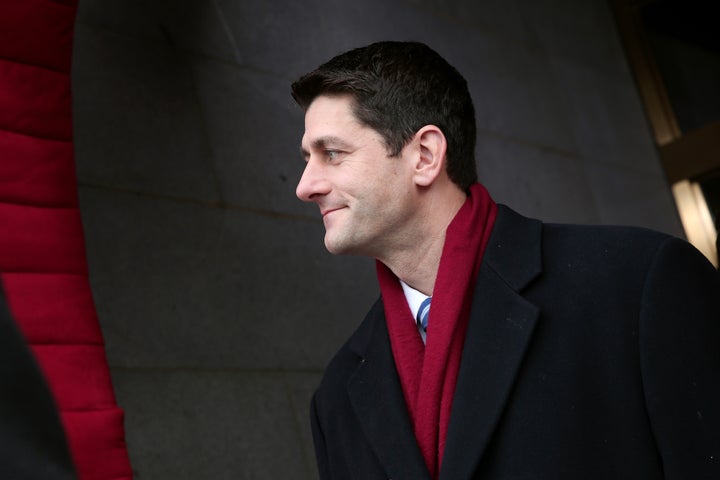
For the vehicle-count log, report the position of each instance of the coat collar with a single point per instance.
(377, 399)
(500, 328)
(514, 250)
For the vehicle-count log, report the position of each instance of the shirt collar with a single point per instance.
(414, 298)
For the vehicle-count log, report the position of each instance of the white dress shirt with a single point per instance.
(414, 299)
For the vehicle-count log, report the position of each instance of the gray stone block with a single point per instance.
(187, 284)
(196, 424)
(302, 386)
(630, 197)
(583, 33)
(498, 18)
(312, 31)
(537, 182)
(138, 124)
(515, 93)
(608, 120)
(193, 25)
(255, 131)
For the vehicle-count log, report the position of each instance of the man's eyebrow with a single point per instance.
(326, 142)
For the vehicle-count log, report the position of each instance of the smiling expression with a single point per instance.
(364, 195)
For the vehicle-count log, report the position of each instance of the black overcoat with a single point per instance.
(592, 352)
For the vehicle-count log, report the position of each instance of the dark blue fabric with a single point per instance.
(32, 440)
(592, 352)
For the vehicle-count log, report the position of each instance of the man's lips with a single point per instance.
(330, 210)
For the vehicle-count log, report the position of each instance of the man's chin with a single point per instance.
(333, 247)
(338, 247)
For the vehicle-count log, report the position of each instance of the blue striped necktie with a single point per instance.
(423, 314)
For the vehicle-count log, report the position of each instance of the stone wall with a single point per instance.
(219, 304)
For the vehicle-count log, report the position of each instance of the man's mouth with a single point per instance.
(330, 210)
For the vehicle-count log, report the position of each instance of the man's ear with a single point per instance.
(430, 162)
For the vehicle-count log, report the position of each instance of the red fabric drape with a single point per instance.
(42, 251)
(429, 390)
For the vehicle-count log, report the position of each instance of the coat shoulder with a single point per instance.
(345, 361)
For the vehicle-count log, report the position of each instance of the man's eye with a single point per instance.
(332, 154)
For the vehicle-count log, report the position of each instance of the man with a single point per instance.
(549, 351)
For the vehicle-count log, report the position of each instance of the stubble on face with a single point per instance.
(362, 192)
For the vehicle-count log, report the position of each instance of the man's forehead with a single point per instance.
(330, 108)
(330, 120)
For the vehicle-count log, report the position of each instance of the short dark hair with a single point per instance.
(397, 88)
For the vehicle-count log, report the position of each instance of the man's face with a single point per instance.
(365, 196)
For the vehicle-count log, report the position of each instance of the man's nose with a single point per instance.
(312, 183)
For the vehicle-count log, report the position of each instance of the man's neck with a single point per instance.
(418, 266)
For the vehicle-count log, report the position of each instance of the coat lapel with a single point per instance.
(500, 329)
(377, 398)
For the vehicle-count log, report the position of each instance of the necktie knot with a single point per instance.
(423, 314)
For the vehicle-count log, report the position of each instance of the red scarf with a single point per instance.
(428, 373)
